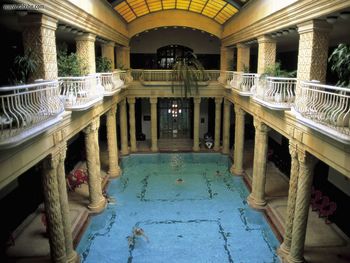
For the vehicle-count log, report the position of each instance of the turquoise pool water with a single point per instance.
(190, 208)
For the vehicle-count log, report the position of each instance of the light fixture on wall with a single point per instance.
(68, 29)
(273, 35)
(345, 15)
(279, 33)
(61, 27)
(291, 30)
(285, 32)
(331, 19)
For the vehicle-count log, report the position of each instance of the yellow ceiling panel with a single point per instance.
(219, 10)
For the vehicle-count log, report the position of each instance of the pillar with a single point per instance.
(243, 57)
(132, 127)
(97, 200)
(313, 50)
(72, 255)
(53, 209)
(292, 195)
(97, 146)
(86, 52)
(238, 153)
(108, 52)
(114, 169)
(302, 205)
(196, 121)
(123, 57)
(256, 199)
(154, 135)
(217, 123)
(226, 58)
(226, 128)
(39, 39)
(266, 53)
(123, 128)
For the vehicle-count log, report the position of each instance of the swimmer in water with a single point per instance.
(179, 181)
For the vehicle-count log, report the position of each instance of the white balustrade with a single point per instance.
(126, 77)
(111, 82)
(325, 108)
(244, 83)
(275, 93)
(214, 75)
(28, 110)
(81, 93)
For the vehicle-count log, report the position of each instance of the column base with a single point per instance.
(98, 207)
(114, 173)
(133, 149)
(154, 149)
(236, 171)
(283, 252)
(73, 258)
(225, 151)
(256, 204)
(290, 259)
(216, 148)
(195, 148)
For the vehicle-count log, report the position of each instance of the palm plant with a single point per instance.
(103, 64)
(68, 65)
(340, 59)
(275, 70)
(23, 68)
(187, 72)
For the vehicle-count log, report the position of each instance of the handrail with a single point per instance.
(244, 83)
(24, 107)
(81, 93)
(166, 76)
(275, 92)
(111, 82)
(324, 104)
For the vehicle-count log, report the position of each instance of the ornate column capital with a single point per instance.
(196, 100)
(239, 111)
(86, 37)
(93, 126)
(153, 100)
(293, 149)
(260, 126)
(112, 111)
(265, 39)
(108, 44)
(39, 20)
(314, 25)
(227, 102)
(53, 159)
(242, 46)
(218, 100)
(131, 100)
(63, 151)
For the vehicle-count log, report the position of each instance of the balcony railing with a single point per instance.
(275, 92)
(81, 93)
(324, 108)
(28, 110)
(111, 83)
(244, 83)
(166, 77)
(136, 73)
(213, 74)
(225, 78)
(126, 77)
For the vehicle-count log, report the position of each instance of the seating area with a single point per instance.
(322, 204)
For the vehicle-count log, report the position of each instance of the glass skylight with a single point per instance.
(219, 10)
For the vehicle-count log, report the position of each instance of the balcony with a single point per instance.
(325, 109)
(28, 110)
(81, 93)
(165, 78)
(226, 78)
(111, 83)
(275, 93)
(243, 83)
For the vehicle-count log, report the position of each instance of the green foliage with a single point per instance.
(276, 71)
(245, 68)
(23, 67)
(340, 59)
(187, 72)
(68, 65)
(103, 64)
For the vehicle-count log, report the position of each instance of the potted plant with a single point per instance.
(69, 65)
(103, 64)
(23, 68)
(187, 72)
(340, 64)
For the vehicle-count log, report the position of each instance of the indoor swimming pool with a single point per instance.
(178, 208)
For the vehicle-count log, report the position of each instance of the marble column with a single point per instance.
(196, 121)
(53, 209)
(114, 169)
(86, 52)
(302, 205)
(132, 125)
(266, 53)
(72, 255)
(226, 128)
(123, 128)
(226, 62)
(39, 40)
(97, 145)
(97, 200)
(256, 199)
(238, 153)
(243, 57)
(292, 195)
(123, 57)
(108, 52)
(218, 102)
(154, 134)
(313, 50)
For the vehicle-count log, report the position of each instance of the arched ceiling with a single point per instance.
(218, 10)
